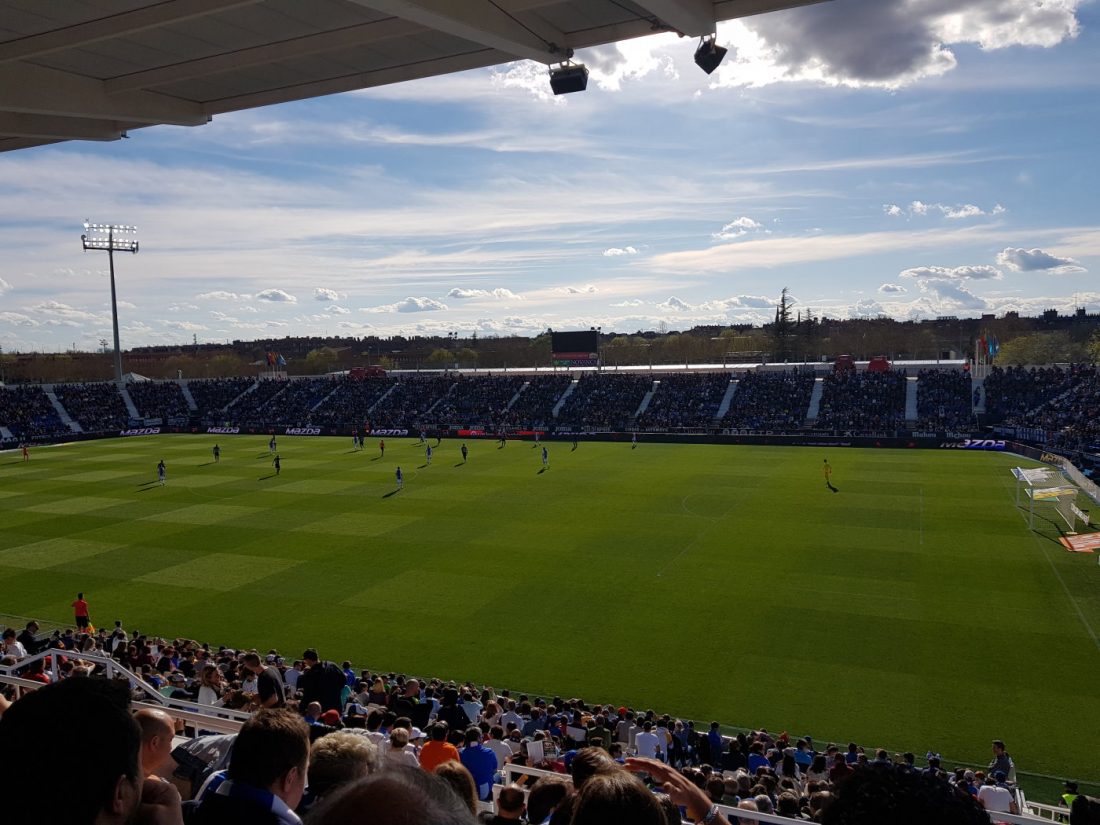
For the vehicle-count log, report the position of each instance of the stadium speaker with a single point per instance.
(569, 78)
(709, 54)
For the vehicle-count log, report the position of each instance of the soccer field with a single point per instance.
(910, 609)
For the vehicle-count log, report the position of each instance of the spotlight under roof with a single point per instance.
(709, 54)
(568, 78)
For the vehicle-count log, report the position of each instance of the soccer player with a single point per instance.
(26, 453)
(633, 441)
(438, 438)
(423, 437)
(217, 453)
(277, 463)
(428, 454)
(162, 472)
(502, 438)
(465, 452)
(355, 439)
(828, 471)
(536, 440)
(271, 445)
(400, 479)
(382, 449)
(80, 612)
(545, 458)
(574, 441)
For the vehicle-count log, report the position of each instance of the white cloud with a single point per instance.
(981, 272)
(896, 43)
(185, 326)
(222, 295)
(4, 286)
(967, 210)
(57, 312)
(615, 251)
(499, 292)
(587, 289)
(891, 289)
(335, 309)
(180, 306)
(892, 209)
(738, 227)
(277, 296)
(951, 295)
(18, 319)
(1037, 260)
(674, 304)
(866, 308)
(951, 212)
(409, 304)
(629, 302)
(322, 294)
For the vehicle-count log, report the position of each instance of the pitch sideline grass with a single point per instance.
(912, 609)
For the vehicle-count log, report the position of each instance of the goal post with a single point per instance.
(1047, 487)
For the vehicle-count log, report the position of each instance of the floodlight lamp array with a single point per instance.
(105, 236)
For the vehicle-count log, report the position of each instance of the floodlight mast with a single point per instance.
(105, 236)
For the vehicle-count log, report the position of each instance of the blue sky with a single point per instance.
(913, 158)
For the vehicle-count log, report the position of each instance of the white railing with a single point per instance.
(206, 717)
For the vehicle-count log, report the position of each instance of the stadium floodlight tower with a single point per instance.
(112, 238)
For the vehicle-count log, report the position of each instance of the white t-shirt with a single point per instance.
(995, 798)
(501, 749)
(648, 744)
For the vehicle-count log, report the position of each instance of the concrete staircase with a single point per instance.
(647, 398)
(561, 401)
(519, 392)
(382, 397)
(128, 401)
(190, 399)
(815, 400)
(911, 414)
(727, 399)
(62, 413)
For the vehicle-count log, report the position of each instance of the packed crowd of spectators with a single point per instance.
(1070, 419)
(28, 414)
(158, 399)
(294, 405)
(868, 401)
(213, 395)
(606, 401)
(944, 400)
(478, 400)
(410, 400)
(1014, 391)
(341, 745)
(350, 401)
(247, 408)
(770, 401)
(95, 407)
(685, 401)
(535, 406)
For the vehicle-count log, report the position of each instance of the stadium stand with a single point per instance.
(535, 406)
(1015, 391)
(770, 400)
(28, 414)
(944, 400)
(350, 402)
(247, 408)
(96, 407)
(213, 395)
(605, 401)
(566, 758)
(410, 400)
(685, 401)
(158, 399)
(863, 401)
(1070, 419)
(477, 401)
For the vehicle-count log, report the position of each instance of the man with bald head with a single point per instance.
(157, 730)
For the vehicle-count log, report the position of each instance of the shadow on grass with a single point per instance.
(208, 463)
(831, 487)
(391, 493)
(265, 478)
(422, 466)
(147, 483)
(264, 455)
(461, 463)
(377, 458)
(152, 485)
(543, 470)
(349, 452)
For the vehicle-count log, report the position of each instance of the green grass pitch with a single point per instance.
(911, 609)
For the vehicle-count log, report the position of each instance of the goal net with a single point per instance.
(1049, 490)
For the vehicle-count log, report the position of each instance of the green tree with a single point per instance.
(782, 330)
(320, 360)
(1042, 348)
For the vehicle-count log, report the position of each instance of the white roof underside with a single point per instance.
(94, 69)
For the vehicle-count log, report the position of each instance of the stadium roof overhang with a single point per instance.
(79, 70)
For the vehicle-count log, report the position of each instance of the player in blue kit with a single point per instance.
(162, 472)
(400, 479)
(428, 454)
(545, 458)
(465, 452)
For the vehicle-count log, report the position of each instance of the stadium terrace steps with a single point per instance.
(561, 401)
(251, 388)
(382, 397)
(128, 401)
(978, 393)
(911, 414)
(328, 395)
(646, 399)
(515, 397)
(815, 400)
(450, 391)
(62, 413)
(190, 399)
(6, 434)
(727, 399)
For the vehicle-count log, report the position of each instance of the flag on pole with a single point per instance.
(280, 360)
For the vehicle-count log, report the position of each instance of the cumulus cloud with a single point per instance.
(738, 227)
(185, 326)
(895, 44)
(866, 308)
(57, 312)
(891, 289)
(981, 272)
(410, 304)
(951, 212)
(276, 296)
(674, 304)
(587, 289)
(222, 295)
(4, 286)
(322, 294)
(951, 295)
(335, 309)
(499, 292)
(615, 251)
(629, 302)
(18, 319)
(1036, 260)
(744, 302)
